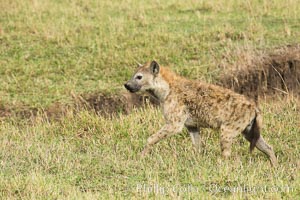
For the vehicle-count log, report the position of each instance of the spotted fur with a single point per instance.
(195, 105)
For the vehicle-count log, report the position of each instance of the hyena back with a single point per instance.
(195, 105)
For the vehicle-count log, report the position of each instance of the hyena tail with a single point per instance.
(252, 132)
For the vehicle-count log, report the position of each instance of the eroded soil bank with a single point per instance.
(275, 73)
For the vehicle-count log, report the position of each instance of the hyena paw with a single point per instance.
(274, 161)
(226, 154)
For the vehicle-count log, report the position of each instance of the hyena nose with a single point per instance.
(126, 85)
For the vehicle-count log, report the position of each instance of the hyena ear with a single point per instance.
(138, 65)
(154, 67)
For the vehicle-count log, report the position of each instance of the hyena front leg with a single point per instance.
(166, 131)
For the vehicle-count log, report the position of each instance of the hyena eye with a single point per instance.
(139, 77)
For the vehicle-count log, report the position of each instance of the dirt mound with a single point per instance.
(255, 74)
(102, 104)
(23, 111)
(105, 104)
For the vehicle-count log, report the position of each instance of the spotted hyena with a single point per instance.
(195, 105)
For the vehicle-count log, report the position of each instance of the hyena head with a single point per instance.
(144, 78)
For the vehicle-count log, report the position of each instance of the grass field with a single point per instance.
(51, 50)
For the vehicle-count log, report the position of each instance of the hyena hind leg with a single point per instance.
(226, 141)
(267, 149)
(252, 134)
(263, 146)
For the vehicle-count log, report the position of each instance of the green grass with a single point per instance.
(51, 49)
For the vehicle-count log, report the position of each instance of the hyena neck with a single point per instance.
(163, 84)
(161, 90)
(159, 93)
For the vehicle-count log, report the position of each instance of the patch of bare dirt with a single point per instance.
(255, 74)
